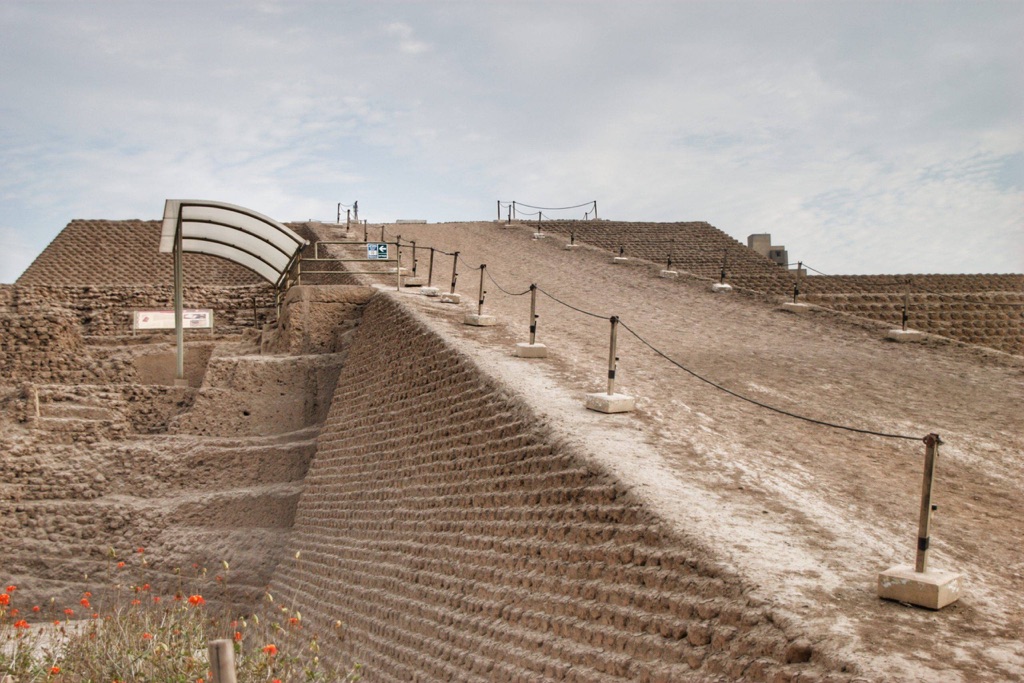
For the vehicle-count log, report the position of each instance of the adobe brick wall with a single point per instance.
(456, 540)
(984, 309)
(91, 252)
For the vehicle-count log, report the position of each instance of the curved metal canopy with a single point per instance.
(235, 233)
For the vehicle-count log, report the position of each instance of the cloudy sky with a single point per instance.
(868, 137)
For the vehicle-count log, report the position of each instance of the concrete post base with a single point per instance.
(795, 308)
(933, 589)
(412, 282)
(610, 403)
(570, 247)
(539, 235)
(180, 382)
(430, 291)
(670, 274)
(721, 288)
(527, 350)
(479, 320)
(619, 259)
(905, 335)
(450, 298)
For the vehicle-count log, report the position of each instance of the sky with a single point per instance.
(866, 137)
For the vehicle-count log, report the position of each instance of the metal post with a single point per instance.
(398, 262)
(595, 209)
(572, 237)
(455, 271)
(612, 358)
(348, 219)
(365, 236)
(222, 661)
(533, 314)
(906, 305)
(514, 208)
(179, 281)
(430, 269)
(931, 454)
(339, 214)
(413, 256)
(510, 214)
(480, 302)
(499, 209)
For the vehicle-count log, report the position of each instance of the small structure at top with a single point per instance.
(762, 244)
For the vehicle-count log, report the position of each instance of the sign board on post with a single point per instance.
(377, 251)
(194, 318)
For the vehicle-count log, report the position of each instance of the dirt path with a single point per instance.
(808, 514)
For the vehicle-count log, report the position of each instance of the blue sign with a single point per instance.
(377, 250)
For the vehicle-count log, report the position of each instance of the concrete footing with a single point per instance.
(905, 335)
(539, 235)
(721, 287)
(795, 308)
(619, 259)
(479, 320)
(430, 291)
(933, 589)
(570, 247)
(451, 298)
(670, 274)
(528, 350)
(610, 403)
(412, 282)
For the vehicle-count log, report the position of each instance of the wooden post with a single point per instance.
(455, 270)
(595, 209)
(480, 302)
(612, 358)
(430, 269)
(931, 454)
(348, 219)
(533, 314)
(222, 661)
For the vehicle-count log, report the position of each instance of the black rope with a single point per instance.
(553, 208)
(491, 278)
(764, 405)
(579, 310)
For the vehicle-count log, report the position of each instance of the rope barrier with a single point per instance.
(780, 411)
(662, 354)
(567, 305)
(553, 208)
(491, 278)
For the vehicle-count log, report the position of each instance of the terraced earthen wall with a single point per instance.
(454, 539)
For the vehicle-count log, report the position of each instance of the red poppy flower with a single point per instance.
(270, 649)
(196, 600)
(70, 612)
(21, 623)
(11, 589)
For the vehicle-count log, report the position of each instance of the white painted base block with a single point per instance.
(933, 589)
(528, 350)
(905, 335)
(539, 235)
(450, 298)
(795, 308)
(619, 259)
(670, 274)
(570, 247)
(180, 382)
(479, 320)
(610, 403)
(721, 287)
(412, 282)
(430, 291)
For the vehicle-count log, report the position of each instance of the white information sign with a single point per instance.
(194, 318)
(377, 251)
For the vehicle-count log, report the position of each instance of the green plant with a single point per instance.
(142, 637)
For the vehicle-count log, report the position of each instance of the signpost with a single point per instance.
(377, 251)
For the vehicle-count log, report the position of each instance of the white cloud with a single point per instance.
(876, 140)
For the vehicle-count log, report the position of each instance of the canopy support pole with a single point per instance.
(179, 374)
